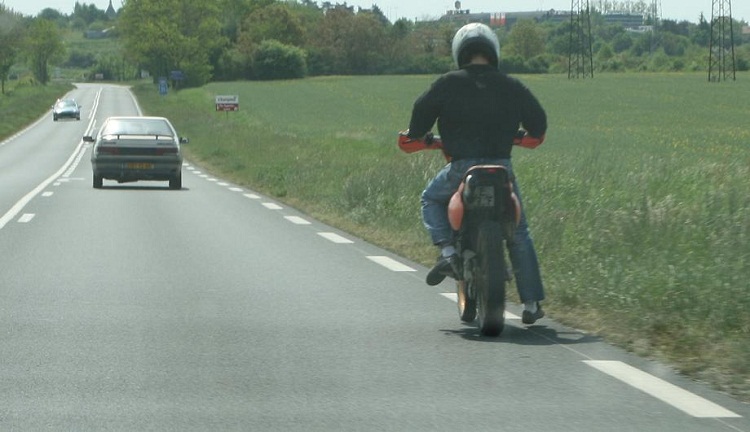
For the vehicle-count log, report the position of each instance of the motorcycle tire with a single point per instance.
(491, 279)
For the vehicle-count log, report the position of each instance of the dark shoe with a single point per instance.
(529, 317)
(444, 267)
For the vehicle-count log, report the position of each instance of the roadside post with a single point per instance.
(163, 86)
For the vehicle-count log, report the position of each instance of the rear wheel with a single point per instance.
(98, 181)
(490, 277)
(176, 182)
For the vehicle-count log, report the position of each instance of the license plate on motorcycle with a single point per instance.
(140, 165)
(484, 196)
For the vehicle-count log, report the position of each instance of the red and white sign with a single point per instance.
(228, 103)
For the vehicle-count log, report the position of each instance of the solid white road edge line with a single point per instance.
(681, 399)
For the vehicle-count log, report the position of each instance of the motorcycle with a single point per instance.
(484, 213)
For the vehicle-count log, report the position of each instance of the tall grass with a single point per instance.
(23, 102)
(639, 201)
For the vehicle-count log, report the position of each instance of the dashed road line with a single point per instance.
(272, 206)
(252, 196)
(26, 218)
(677, 397)
(335, 238)
(454, 297)
(16, 209)
(297, 220)
(391, 264)
(48, 194)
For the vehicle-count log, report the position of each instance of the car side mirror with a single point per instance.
(88, 138)
(184, 140)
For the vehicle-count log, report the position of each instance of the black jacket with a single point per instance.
(478, 111)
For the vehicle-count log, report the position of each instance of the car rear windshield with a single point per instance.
(137, 127)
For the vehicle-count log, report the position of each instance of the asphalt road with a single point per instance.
(139, 308)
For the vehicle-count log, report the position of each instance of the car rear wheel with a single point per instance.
(98, 181)
(176, 182)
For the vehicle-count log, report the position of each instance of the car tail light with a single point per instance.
(108, 150)
(166, 151)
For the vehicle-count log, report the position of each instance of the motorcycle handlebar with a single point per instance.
(433, 142)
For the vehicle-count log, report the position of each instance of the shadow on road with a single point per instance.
(537, 334)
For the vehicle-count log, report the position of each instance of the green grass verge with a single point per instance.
(638, 202)
(23, 103)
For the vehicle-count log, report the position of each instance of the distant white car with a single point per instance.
(129, 149)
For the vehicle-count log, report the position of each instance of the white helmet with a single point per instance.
(472, 39)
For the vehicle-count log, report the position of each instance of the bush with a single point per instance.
(275, 60)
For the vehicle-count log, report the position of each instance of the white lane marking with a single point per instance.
(235, 189)
(26, 218)
(252, 196)
(18, 206)
(196, 172)
(47, 194)
(296, 220)
(272, 206)
(335, 238)
(222, 184)
(454, 297)
(74, 165)
(681, 399)
(390, 264)
(212, 179)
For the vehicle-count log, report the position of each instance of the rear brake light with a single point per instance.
(108, 150)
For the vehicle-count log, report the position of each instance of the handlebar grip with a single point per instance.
(528, 141)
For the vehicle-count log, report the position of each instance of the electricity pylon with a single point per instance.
(581, 54)
(721, 61)
(655, 18)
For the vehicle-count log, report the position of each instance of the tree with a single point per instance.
(526, 39)
(275, 21)
(275, 60)
(89, 13)
(186, 41)
(11, 37)
(43, 46)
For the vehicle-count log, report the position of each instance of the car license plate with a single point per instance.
(140, 165)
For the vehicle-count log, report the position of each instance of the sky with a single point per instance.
(678, 10)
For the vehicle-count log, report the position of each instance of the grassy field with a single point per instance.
(639, 201)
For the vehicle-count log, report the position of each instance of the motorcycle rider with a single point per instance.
(478, 111)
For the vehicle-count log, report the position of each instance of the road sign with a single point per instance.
(162, 86)
(228, 103)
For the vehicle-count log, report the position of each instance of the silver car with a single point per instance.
(66, 108)
(129, 149)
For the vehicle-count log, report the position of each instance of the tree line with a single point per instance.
(210, 40)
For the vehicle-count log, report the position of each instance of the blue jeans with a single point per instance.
(435, 200)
